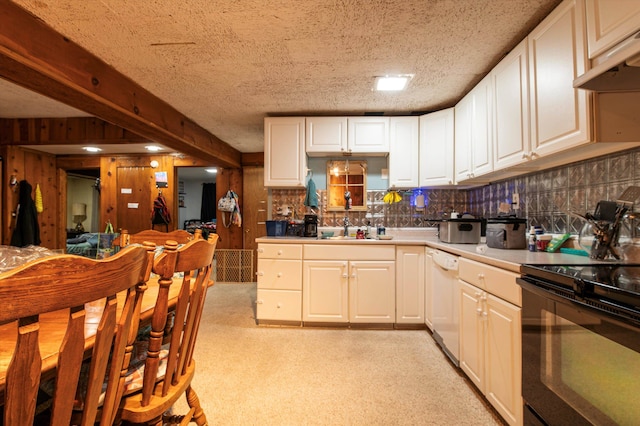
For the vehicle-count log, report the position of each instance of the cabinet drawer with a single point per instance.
(496, 281)
(279, 274)
(283, 305)
(349, 252)
(280, 251)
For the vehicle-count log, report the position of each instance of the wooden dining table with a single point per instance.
(53, 326)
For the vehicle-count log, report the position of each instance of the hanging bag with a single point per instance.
(227, 203)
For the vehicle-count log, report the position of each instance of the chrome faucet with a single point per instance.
(346, 226)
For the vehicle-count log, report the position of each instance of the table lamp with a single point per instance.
(79, 213)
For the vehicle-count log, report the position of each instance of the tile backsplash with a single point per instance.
(546, 197)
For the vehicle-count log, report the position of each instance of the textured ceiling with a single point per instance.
(228, 64)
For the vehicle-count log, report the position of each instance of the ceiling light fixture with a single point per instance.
(213, 171)
(390, 83)
(92, 149)
(153, 148)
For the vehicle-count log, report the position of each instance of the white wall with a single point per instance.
(80, 190)
(192, 202)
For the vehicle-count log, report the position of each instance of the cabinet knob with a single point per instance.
(345, 276)
(279, 274)
(260, 250)
(279, 252)
(481, 276)
(279, 305)
(259, 302)
(479, 311)
(477, 294)
(260, 274)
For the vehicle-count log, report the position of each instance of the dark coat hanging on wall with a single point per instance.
(27, 230)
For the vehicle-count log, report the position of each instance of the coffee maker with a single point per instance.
(310, 225)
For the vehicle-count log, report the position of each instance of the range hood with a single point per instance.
(616, 70)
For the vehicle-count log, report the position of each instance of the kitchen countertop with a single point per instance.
(510, 260)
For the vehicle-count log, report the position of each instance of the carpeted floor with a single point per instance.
(258, 375)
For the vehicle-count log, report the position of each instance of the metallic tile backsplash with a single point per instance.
(545, 197)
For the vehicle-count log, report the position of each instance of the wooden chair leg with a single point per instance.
(194, 402)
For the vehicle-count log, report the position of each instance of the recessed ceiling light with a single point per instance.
(92, 149)
(211, 170)
(153, 148)
(392, 82)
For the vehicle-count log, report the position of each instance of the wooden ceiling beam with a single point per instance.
(35, 56)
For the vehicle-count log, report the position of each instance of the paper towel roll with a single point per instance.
(420, 201)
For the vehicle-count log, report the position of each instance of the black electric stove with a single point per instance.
(580, 330)
(615, 284)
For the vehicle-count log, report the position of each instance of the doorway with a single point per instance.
(83, 200)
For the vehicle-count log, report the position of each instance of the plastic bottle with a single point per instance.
(532, 239)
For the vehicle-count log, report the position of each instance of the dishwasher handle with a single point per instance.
(445, 260)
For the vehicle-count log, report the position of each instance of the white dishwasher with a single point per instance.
(445, 303)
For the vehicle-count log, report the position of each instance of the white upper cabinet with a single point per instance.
(403, 152)
(340, 135)
(463, 158)
(609, 22)
(511, 108)
(473, 136)
(482, 129)
(559, 113)
(326, 134)
(284, 157)
(366, 135)
(436, 148)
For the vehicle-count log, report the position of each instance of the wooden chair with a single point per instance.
(68, 285)
(157, 237)
(160, 391)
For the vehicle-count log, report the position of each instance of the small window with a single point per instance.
(347, 177)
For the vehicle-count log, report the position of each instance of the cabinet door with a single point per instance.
(609, 22)
(325, 294)
(504, 359)
(472, 321)
(556, 57)
(326, 135)
(473, 135)
(511, 109)
(410, 273)
(482, 129)
(368, 135)
(372, 292)
(403, 152)
(284, 156)
(464, 114)
(436, 148)
(428, 289)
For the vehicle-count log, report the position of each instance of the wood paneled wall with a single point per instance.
(38, 169)
(231, 237)
(50, 172)
(137, 176)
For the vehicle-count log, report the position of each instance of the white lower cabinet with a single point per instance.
(279, 295)
(357, 288)
(353, 291)
(325, 285)
(410, 284)
(428, 289)
(490, 336)
(372, 292)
